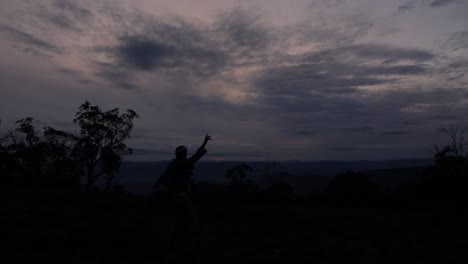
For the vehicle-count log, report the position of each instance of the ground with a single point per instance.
(46, 224)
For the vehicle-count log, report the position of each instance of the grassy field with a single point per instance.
(76, 227)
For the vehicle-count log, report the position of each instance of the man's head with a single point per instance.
(181, 152)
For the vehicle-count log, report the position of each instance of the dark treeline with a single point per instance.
(440, 185)
(67, 158)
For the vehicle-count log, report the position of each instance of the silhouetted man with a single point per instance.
(177, 180)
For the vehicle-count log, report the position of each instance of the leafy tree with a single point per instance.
(95, 150)
(29, 133)
(110, 164)
(22, 155)
(238, 174)
(64, 159)
(29, 149)
(101, 133)
(241, 188)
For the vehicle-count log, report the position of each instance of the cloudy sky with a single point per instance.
(269, 79)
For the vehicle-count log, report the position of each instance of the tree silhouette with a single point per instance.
(110, 164)
(101, 138)
(238, 174)
(4, 137)
(448, 176)
(26, 150)
(30, 135)
(64, 158)
(455, 147)
(95, 150)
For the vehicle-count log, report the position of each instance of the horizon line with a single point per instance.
(297, 161)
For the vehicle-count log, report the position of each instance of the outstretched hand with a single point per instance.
(207, 138)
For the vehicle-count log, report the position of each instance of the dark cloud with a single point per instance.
(408, 6)
(178, 47)
(398, 70)
(140, 42)
(28, 39)
(389, 53)
(326, 95)
(241, 29)
(317, 80)
(314, 79)
(146, 54)
(161, 45)
(439, 3)
(385, 53)
(460, 64)
(155, 45)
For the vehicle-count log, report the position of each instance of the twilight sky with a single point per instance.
(268, 79)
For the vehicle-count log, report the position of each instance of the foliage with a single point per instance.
(238, 174)
(101, 139)
(23, 152)
(64, 161)
(97, 149)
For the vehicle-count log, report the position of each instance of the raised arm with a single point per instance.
(207, 138)
(201, 150)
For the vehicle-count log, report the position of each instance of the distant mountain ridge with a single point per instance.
(304, 176)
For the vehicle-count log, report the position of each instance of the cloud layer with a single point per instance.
(342, 80)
